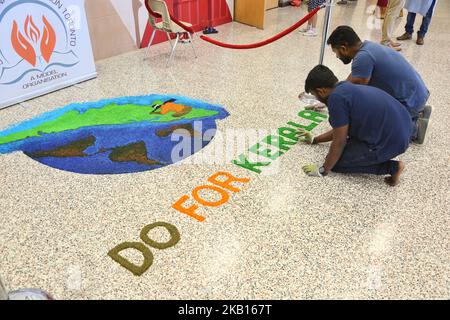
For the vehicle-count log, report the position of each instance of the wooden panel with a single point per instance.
(270, 4)
(250, 12)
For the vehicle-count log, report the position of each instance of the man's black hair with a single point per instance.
(320, 77)
(343, 36)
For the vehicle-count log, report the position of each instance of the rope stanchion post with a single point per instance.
(326, 29)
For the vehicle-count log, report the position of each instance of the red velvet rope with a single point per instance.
(265, 42)
(178, 22)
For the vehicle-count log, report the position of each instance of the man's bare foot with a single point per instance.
(395, 179)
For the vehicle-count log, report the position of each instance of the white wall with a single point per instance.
(117, 26)
(231, 6)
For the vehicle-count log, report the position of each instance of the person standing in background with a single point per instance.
(393, 11)
(311, 30)
(426, 9)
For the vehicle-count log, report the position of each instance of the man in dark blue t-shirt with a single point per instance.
(370, 127)
(381, 67)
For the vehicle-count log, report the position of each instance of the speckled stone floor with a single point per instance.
(285, 235)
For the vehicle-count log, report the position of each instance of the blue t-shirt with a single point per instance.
(389, 71)
(373, 116)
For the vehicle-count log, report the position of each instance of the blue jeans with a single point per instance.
(425, 22)
(359, 158)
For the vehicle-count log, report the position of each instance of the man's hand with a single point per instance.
(305, 136)
(320, 107)
(312, 170)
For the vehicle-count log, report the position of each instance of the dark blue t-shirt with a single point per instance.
(373, 116)
(389, 71)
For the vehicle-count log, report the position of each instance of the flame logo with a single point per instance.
(26, 47)
(48, 41)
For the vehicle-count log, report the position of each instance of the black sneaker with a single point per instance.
(426, 113)
(422, 126)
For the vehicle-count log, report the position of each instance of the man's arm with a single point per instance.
(363, 81)
(362, 68)
(325, 137)
(336, 148)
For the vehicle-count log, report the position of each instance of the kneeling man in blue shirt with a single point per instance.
(381, 67)
(369, 128)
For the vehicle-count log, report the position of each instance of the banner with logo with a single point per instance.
(44, 46)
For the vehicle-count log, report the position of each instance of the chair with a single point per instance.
(167, 26)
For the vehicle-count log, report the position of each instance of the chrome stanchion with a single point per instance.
(326, 27)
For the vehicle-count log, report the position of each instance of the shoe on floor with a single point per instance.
(311, 33)
(426, 113)
(422, 126)
(420, 41)
(304, 30)
(393, 45)
(405, 36)
(342, 2)
(398, 49)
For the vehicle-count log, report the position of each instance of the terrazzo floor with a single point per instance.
(285, 235)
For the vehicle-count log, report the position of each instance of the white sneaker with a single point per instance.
(304, 30)
(311, 33)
